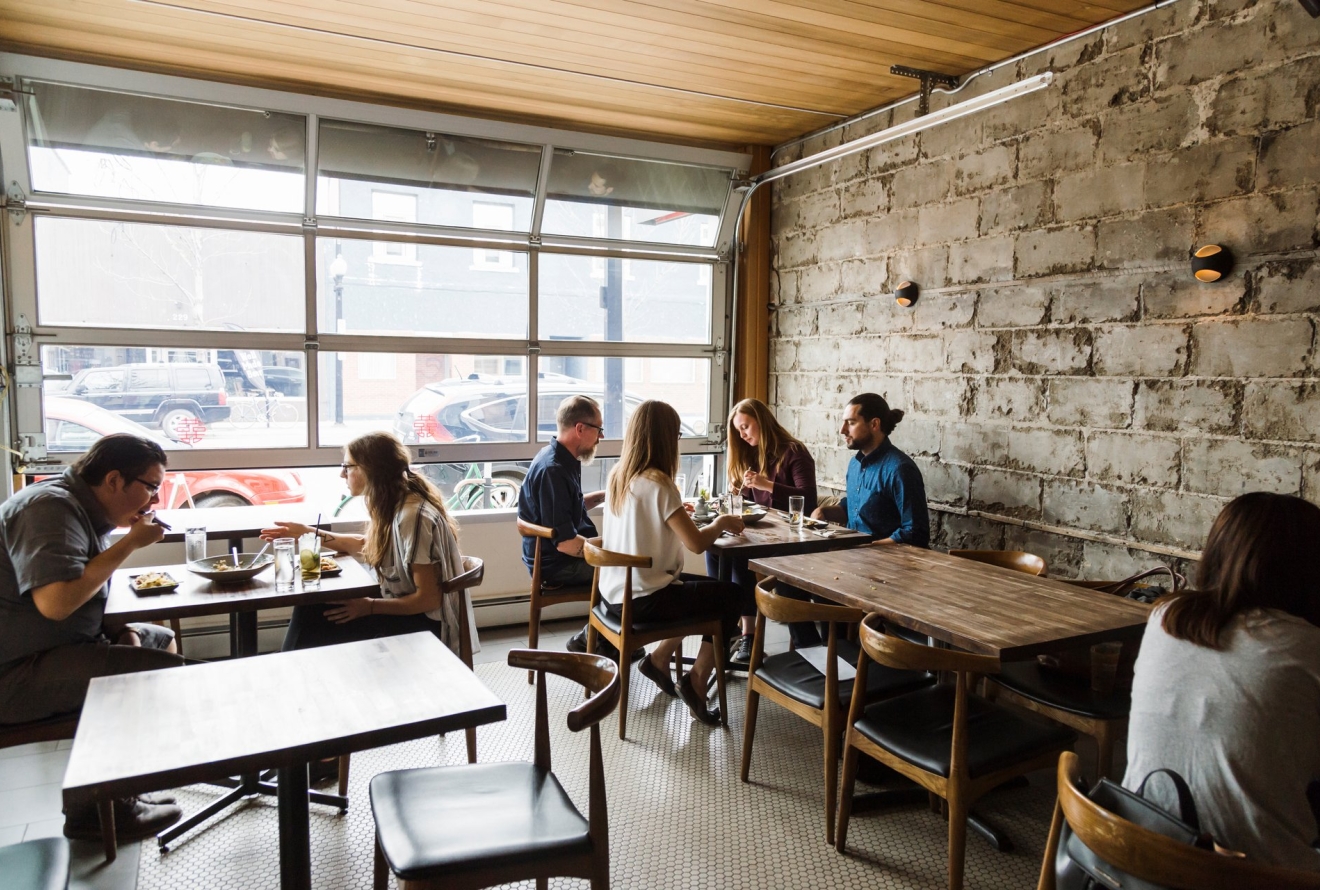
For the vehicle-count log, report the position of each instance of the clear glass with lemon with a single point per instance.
(309, 560)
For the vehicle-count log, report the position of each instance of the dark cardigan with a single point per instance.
(796, 475)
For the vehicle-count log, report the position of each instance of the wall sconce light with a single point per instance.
(906, 293)
(1211, 263)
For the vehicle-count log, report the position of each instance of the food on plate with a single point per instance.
(148, 580)
(328, 564)
(223, 565)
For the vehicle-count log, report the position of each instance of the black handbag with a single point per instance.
(1077, 867)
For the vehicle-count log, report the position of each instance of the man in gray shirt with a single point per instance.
(55, 562)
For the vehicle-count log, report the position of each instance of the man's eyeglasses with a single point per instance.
(151, 487)
(598, 429)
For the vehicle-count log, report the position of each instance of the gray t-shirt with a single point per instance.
(1241, 725)
(48, 533)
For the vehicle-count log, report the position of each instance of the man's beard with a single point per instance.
(587, 456)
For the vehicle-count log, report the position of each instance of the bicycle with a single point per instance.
(267, 409)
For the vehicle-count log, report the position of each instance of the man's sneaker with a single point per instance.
(740, 651)
(134, 820)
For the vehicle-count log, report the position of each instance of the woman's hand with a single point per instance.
(727, 522)
(344, 611)
(758, 481)
(285, 530)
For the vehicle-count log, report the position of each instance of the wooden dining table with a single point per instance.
(965, 604)
(773, 536)
(198, 596)
(969, 605)
(282, 710)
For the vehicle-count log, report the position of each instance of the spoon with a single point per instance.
(234, 552)
(262, 552)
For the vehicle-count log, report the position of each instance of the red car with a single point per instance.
(73, 425)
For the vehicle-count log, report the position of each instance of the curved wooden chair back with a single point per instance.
(1017, 560)
(1152, 857)
(474, 571)
(896, 652)
(532, 530)
(786, 609)
(599, 557)
(598, 675)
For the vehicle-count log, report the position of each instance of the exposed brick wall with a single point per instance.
(1069, 386)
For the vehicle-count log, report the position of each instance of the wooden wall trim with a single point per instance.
(752, 362)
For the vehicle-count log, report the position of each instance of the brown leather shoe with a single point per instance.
(134, 820)
(660, 677)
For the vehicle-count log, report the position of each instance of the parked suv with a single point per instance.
(167, 396)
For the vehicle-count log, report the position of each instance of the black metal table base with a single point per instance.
(243, 788)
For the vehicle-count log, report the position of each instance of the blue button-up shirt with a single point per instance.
(887, 497)
(552, 496)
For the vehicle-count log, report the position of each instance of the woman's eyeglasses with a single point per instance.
(343, 468)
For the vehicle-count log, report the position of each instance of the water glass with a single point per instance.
(194, 544)
(680, 480)
(309, 560)
(285, 560)
(796, 503)
(735, 504)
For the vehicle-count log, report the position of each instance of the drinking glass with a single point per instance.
(194, 544)
(680, 480)
(795, 506)
(735, 504)
(309, 560)
(284, 563)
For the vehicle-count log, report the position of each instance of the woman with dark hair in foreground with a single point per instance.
(1227, 686)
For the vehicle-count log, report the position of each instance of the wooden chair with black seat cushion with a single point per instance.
(541, 598)
(792, 682)
(36, 865)
(627, 635)
(1072, 699)
(474, 572)
(1151, 857)
(1017, 560)
(950, 741)
(460, 827)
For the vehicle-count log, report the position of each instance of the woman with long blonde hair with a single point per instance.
(644, 516)
(411, 541)
(768, 464)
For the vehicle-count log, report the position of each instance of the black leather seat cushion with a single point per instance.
(35, 865)
(794, 676)
(918, 727)
(451, 818)
(640, 627)
(1030, 680)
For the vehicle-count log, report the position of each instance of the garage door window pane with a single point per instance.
(425, 399)
(182, 399)
(618, 300)
(112, 145)
(92, 273)
(604, 380)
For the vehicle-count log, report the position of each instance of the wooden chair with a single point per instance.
(461, 827)
(36, 865)
(946, 739)
(1075, 701)
(474, 571)
(1149, 856)
(1017, 560)
(792, 682)
(542, 599)
(627, 635)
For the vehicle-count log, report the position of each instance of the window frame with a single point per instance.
(24, 421)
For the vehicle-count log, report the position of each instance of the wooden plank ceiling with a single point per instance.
(728, 72)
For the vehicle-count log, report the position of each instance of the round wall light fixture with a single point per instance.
(1211, 263)
(906, 293)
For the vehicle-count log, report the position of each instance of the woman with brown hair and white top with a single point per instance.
(768, 464)
(410, 540)
(1227, 685)
(644, 516)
